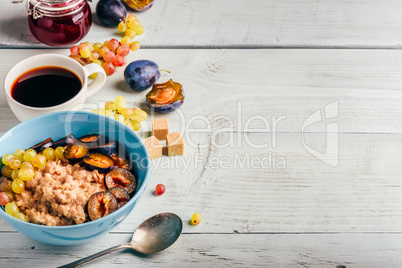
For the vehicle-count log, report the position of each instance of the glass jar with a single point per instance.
(59, 22)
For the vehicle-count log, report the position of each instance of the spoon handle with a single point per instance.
(95, 256)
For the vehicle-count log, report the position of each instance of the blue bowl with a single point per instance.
(56, 126)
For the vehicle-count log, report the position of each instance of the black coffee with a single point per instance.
(45, 86)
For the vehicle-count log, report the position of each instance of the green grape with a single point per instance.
(5, 158)
(119, 117)
(59, 151)
(29, 155)
(14, 174)
(126, 112)
(10, 194)
(49, 153)
(6, 171)
(26, 174)
(18, 186)
(14, 163)
(19, 153)
(136, 125)
(21, 216)
(120, 102)
(139, 30)
(26, 165)
(122, 27)
(134, 24)
(11, 209)
(39, 161)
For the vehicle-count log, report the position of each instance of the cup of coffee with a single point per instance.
(50, 83)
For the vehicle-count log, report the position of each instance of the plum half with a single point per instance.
(121, 195)
(140, 5)
(100, 162)
(64, 141)
(101, 204)
(165, 97)
(120, 177)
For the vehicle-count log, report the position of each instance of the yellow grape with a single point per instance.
(134, 23)
(126, 40)
(107, 104)
(5, 158)
(26, 165)
(14, 174)
(136, 117)
(29, 155)
(26, 174)
(89, 44)
(131, 17)
(21, 216)
(85, 52)
(99, 62)
(49, 153)
(19, 153)
(97, 46)
(126, 112)
(18, 186)
(139, 30)
(11, 209)
(122, 27)
(131, 33)
(59, 151)
(109, 113)
(39, 161)
(14, 163)
(135, 46)
(136, 125)
(120, 102)
(119, 117)
(141, 113)
(93, 76)
(196, 218)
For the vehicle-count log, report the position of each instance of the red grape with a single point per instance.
(123, 50)
(4, 199)
(119, 61)
(109, 56)
(109, 68)
(113, 44)
(74, 50)
(160, 189)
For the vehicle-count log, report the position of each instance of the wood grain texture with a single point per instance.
(286, 86)
(221, 250)
(237, 23)
(280, 188)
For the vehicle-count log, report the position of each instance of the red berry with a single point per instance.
(160, 189)
(113, 44)
(119, 61)
(4, 199)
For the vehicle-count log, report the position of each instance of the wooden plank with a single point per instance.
(220, 250)
(281, 188)
(284, 86)
(236, 23)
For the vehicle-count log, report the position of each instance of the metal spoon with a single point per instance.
(153, 235)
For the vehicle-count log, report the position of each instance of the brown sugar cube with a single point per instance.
(154, 147)
(160, 128)
(175, 144)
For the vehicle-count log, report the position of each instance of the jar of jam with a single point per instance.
(59, 22)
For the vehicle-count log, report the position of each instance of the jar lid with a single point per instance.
(54, 8)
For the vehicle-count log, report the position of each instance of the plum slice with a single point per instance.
(108, 149)
(42, 145)
(101, 204)
(97, 161)
(121, 195)
(165, 97)
(120, 177)
(64, 141)
(120, 162)
(75, 152)
(90, 141)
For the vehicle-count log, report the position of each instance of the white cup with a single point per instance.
(24, 112)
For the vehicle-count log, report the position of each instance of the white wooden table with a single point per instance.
(292, 123)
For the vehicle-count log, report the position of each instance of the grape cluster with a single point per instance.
(131, 117)
(112, 53)
(20, 168)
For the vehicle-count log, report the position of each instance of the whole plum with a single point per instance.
(141, 74)
(110, 12)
